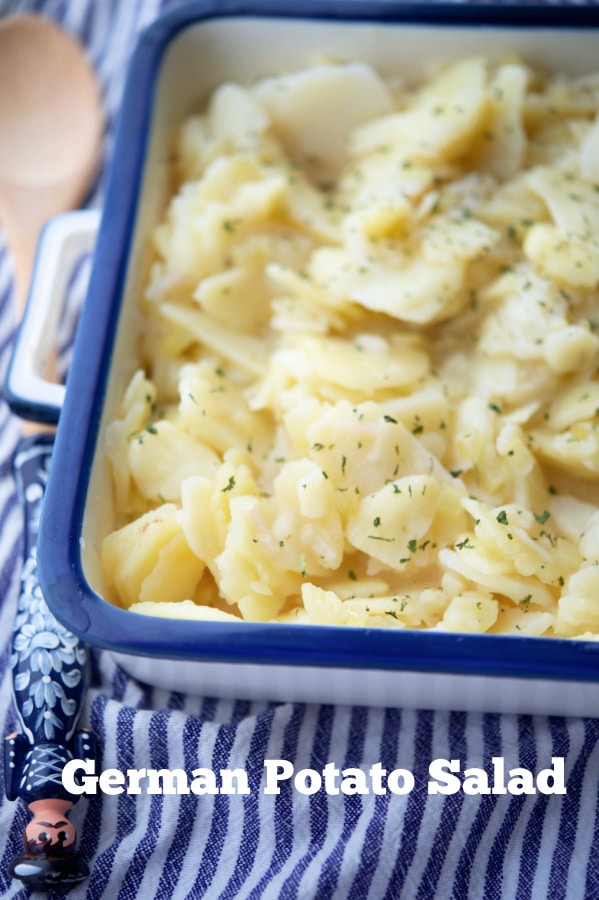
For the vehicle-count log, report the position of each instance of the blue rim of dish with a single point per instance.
(62, 579)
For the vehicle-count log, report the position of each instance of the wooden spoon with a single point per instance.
(51, 125)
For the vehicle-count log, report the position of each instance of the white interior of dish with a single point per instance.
(241, 49)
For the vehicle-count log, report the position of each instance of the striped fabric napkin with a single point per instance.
(300, 842)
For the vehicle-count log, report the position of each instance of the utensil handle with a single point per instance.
(63, 241)
(48, 661)
(49, 669)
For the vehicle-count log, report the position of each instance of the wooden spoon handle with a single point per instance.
(50, 125)
(49, 667)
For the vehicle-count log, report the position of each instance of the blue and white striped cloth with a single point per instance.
(415, 846)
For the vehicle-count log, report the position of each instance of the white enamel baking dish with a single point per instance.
(179, 61)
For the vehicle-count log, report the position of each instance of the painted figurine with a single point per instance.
(49, 678)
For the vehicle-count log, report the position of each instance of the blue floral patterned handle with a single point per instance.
(49, 666)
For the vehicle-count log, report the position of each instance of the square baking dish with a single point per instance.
(179, 61)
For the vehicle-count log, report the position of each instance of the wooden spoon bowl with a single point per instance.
(51, 125)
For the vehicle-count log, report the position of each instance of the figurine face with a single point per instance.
(49, 860)
(49, 830)
(49, 835)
